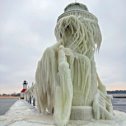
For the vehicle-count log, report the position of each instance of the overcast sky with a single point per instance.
(27, 28)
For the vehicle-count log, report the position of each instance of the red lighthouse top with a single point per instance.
(23, 90)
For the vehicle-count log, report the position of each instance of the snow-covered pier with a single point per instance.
(24, 114)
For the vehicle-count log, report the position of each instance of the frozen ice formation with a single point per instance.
(67, 82)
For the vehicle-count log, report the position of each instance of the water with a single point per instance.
(119, 104)
(5, 104)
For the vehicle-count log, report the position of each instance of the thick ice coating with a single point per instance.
(67, 82)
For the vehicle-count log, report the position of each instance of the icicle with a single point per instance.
(83, 32)
(64, 91)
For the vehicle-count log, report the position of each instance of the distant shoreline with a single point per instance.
(119, 96)
(5, 97)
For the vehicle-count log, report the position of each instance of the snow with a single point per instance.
(23, 114)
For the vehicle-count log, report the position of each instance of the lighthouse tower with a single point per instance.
(23, 91)
(25, 84)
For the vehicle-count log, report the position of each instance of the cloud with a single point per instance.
(117, 86)
(27, 28)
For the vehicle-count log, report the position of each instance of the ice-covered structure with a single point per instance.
(67, 83)
(30, 95)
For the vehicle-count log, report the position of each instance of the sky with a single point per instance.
(27, 29)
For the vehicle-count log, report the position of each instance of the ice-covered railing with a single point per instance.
(30, 95)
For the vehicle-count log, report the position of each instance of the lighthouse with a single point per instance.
(25, 84)
(23, 91)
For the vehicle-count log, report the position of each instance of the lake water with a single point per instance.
(5, 104)
(119, 104)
